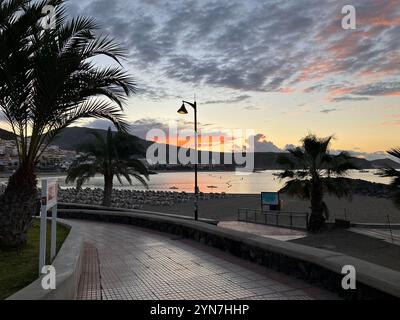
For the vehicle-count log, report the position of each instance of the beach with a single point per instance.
(362, 209)
(369, 204)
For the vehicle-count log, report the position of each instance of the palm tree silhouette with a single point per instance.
(319, 171)
(48, 80)
(395, 175)
(110, 156)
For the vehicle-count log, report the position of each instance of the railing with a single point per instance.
(287, 219)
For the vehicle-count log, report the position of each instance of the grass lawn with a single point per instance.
(20, 268)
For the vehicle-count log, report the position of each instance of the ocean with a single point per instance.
(224, 181)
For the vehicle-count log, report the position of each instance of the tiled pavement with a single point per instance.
(124, 262)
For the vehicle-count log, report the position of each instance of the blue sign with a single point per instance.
(270, 198)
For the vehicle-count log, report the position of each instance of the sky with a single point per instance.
(280, 68)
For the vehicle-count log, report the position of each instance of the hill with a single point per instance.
(71, 138)
(385, 163)
(6, 135)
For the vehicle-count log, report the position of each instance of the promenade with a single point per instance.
(123, 262)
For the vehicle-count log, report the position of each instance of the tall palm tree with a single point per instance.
(395, 175)
(110, 156)
(319, 171)
(49, 80)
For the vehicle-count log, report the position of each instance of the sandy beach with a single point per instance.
(359, 209)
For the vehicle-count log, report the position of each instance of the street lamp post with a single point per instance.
(183, 110)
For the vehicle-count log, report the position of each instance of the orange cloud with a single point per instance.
(382, 21)
(384, 15)
(392, 94)
(213, 142)
(377, 74)
(391, 123)
(338, 91)
(317, 70)
(287, 90)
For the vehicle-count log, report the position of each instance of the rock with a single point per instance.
(131, 199)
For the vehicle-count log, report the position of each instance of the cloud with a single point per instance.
(229, 100)
(250, 46)
(393, 120)
(391, 123)
(100, 124)
(261, 144)
(141, 127)
(151, 92)
(349, 98)
(379, 89)
(340, 93)
(251, 108)
(137, 128)
(289, 147)
(329, 110)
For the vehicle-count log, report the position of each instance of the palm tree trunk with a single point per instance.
(108, 187)
(18, 204)
(317, 219)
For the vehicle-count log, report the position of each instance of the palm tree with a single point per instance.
(319, 171)
(110, 156)
(395, 175)
(49, 80)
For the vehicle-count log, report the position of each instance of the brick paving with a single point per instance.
(123, 262)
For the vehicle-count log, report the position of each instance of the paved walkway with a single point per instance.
(125, 262)
(392, 236)
(277, 233)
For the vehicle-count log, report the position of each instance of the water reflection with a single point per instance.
(227, 182)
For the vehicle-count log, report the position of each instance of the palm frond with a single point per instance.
(299, 188)
(389, 172)
(340, 187)
(48, 79)
(286, 174)
(395, 152)
(139, 177)
(298, 153)
(138, 166)
(104, 46)
(81, 173)
(109, 155)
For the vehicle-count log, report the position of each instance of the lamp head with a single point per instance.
(183, 110)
